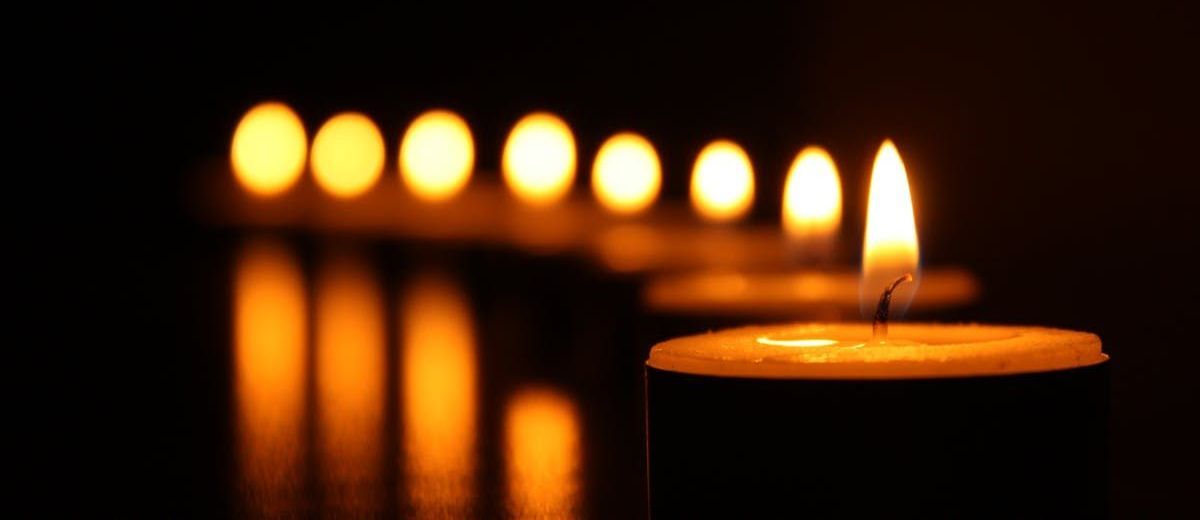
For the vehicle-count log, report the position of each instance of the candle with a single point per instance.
(949, 421)
(794, 294)
(879, 419)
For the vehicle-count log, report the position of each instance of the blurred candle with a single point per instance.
(626, 175)
(437, 155)
(539, 159)
(812, 204)
(542, 453)
(722, 188)
(350, 372)
(269, 148)
(269, 320)
(347, 155)
(438, 386)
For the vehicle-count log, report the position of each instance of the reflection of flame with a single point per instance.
(438, 395)
(269, 356)
(890, 246)
(437, 155)
(269, 147)
(350, 384)
(347, 155)
(626, 174)
(812, 199)
(722, 182)
(539, 159)
(543, 454)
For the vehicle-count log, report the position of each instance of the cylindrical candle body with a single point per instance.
(1010, 445)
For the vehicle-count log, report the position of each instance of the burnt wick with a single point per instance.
(879, 327)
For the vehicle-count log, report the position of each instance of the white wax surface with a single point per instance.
(913, 350)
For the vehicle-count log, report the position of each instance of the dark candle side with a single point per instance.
(1025, 445)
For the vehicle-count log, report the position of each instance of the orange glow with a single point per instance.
(626, 175)
(269, 340)
(350, 385)
(539, 159)
(347, 155)
(268, 149)
(437, 155)
(541, 428)
(890, 246)
(812, 198)
(438, 393)
(722, 182)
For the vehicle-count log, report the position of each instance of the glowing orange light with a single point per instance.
(269, 343)
(626, 175)
(347, 155)
(269, 147)
(890, 245)
(812, 197)
(439, 398)
(541, 430)
(539, 159)
(350, 370)
(722, 182)
(437, 155)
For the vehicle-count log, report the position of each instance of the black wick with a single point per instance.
(879, 327)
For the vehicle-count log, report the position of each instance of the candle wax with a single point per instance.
(848, 351)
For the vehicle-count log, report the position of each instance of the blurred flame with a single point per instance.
(542, 442)
(269, 148)
(347, 155)
(539, 159)
(350, 372)
(890, 246)
(437, 155)
(722, 182)
(626, 175)
(269, 319)
(812, 198)
(439, 398)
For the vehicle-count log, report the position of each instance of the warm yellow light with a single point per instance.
(812, 197)
(722, 182)
(539, 159)
(268, 149)
(269, 340)
(626, 175)
(437, 155)
(347, 155)
(350, 385)
(541, 428)
(890, 245)
(437, 361)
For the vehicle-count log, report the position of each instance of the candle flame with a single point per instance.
(722, 182)
(626, 175)
(437, 155)
(812, 199)
(269, 148)
(539, 159)
(347, 155)
(890, 248)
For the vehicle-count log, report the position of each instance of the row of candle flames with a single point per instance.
(270, 151)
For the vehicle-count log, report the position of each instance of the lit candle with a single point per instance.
(877, 419)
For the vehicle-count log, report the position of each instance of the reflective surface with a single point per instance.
(370, 380)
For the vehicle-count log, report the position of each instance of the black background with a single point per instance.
(1052, 148)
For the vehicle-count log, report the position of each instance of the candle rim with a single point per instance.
(1011, 349)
